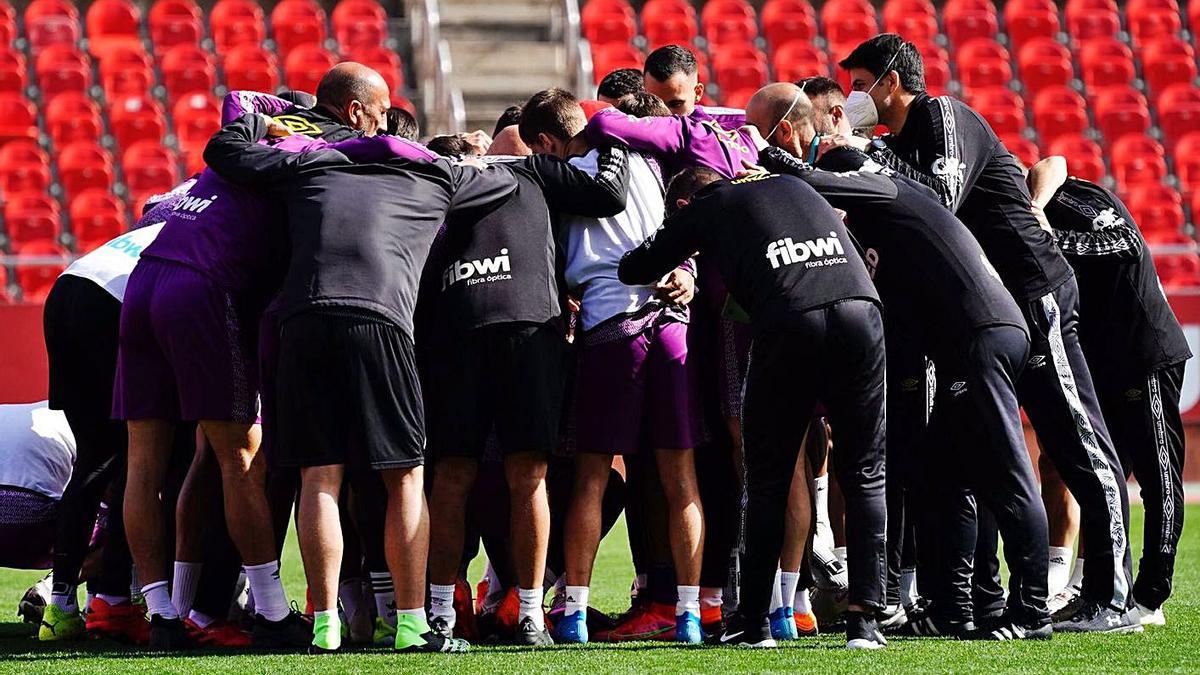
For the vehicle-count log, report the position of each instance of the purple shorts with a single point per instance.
(636, 392)
(186, 350)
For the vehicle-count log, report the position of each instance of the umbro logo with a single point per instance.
(958, 389)
(1037, 361)
(1133, 394)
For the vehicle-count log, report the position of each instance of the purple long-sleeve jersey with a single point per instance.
(676, 142)
(231, 233)
(731, 119)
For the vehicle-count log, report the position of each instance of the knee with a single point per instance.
(524, 473)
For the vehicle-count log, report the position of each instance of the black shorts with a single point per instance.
(347, 393)
(505, 377)
(82, 323)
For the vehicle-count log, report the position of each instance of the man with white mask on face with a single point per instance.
(944, 144)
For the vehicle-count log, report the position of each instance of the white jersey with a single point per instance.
(37, 448)
(595, 245)
(109, 266)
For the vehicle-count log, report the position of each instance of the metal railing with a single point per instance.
(441, 101)
(579, 52)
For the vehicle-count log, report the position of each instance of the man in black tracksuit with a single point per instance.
(924, 261)
(942, 143)
(1130, 334)
(499, 318)
(818, 333)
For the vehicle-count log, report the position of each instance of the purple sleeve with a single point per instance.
(655, 135)
(238, 103)
(729, 118)
(367, 150)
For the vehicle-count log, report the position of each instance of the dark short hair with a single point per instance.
(822, 86)
(687, 183)
(510, 116)
(401, 123)
(449, 146)
(670, 60)
(548, 112)
(643, 104)
(302, 99)
(621, 82)
(874, 54)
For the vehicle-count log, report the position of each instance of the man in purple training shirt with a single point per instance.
(672, 74)
(187, 345)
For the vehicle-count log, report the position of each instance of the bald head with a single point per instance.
(508, 142)
(357, 95)
(783, 114)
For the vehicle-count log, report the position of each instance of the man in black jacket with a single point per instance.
(942, 143)
(1129, 330)
(817, 334)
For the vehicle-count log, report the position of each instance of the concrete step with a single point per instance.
(504, 70)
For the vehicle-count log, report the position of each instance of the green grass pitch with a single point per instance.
(1173, 648)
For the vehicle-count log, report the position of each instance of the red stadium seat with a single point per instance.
(1027, 19)
(251, 67)
(846, 32)
(1166, 61)
(1087, 19)
(399, 101)
(597, 7)
(125, 69)
(5, 293)
(964, 22)
(1059, 111)
(136, 118)
(787, 20)
(31, 216)
(175, 22)
(607, 58)
(832, 9)
(1025, 150)
(18, 118)
(1154, 24)
(982, 62)
(1001, 107)
(295, 23)
(235, 23)
(1193, 13)
(51, 22)
(1155, 208)
(1187, 164)
(670, 29)
(8, 22)
(96, 217)
(197, 117)
(112, 21)
(305, 66)
(359, 24)
(1119, 110)
(149, 168)
(83, 166)
(188, 68)
(915, 27)
(799, 59)
(714, 9)
(73, 117)
(729, 21)
(740, 69)
(22, 164)
(62, 68)
(1105, 61)
(738, 98)
(1084, 158)
(1137, 160)
(1178, 109)
(1043, 62)
(37, 278)
(12, 71)
(611, 27)
(385, 61)
(895, 10)
(1178, 270)
(655, 10)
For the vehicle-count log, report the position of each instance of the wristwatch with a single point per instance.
(876, 145)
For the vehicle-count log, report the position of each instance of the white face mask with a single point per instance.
(860, 108)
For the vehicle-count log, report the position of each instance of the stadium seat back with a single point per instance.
(1178, 109)
(384, 61)
(235, 23)
(595, 7)
(296, 23)
(111, 21)
(787, 20)
(611, 27)
(188, 68)
(799, 59)
(13, 79)
(27, 175)
(305, 66)
(1059, 110)
(610, 57)
(96, 217)
(18, 118)
(1043, 62)
(1028, 19)
(175, 22)
(60, 69)
(1166, 61)
(252, 68)
(51, 22)
(1084, 157)
(73, 116)
(37, 278)
(31, 216)
(150, 168)
(1187, 163)
(671, 29)
(136, 117)
(197, 117)
(83, 165)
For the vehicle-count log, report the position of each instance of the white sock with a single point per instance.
(350, 595)
(577, 600)
(441, 602)
(158, 601)
(822, 531)
(67, 600)
(270, 600)
(531, 606)
(183, 586)
(800, 602)
(113, 600)
(1077, 574)
(1060, 569)
(687, 600)
(908, 587)
(385, 596)
(419, 612)
(788, 581)
(776, 593)
(201, 619)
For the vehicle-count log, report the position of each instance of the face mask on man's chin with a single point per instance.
(860, 111)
